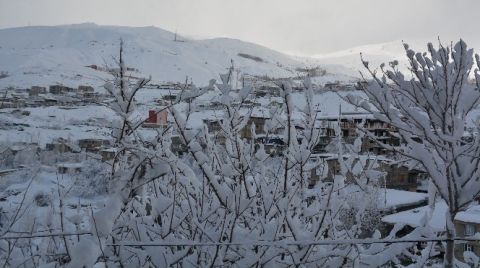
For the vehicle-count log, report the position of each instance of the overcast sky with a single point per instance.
(294, 26)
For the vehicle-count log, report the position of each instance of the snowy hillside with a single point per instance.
(58, 54)
(377, 54)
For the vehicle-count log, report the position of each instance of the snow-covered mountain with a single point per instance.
(377, 54)
(43, 55)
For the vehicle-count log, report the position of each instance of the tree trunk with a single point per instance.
(450, 245)
(449, 250)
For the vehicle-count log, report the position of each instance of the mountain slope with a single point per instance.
(377, 54)
(44, 55)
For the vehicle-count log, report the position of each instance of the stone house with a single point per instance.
(348, 125)
(396, 176)
(61, 146)
(467, 224)
(85, 89)
(108, 154)
(92, 144)
(59, 89)
(69, 168)
(36, 90)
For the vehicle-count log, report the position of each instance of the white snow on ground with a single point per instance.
(45, 183)
(45, 124)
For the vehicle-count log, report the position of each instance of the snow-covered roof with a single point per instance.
(70, 165)
(420, 216)
(391, 199)
(472, 215)
(349, 116)
(398, 198)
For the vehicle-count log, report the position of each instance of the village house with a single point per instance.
(332, 86)
(257, 116)
(87, 93)
(61, 146)
(108, 154)
(93, 144)
(36, 90)
(85, 89)
(156, 118)
(273, 143)
(48, 101)
(69, 168)
(349, 123)
(59, 89)
(467, 224)
(396, 176)
(214, 126)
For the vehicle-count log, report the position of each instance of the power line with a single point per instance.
(280, 243)
(8, 237)
(290, 243)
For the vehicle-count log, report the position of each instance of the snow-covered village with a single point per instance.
(229, 134)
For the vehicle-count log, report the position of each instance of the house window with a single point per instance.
(469, 229)
(468, 247)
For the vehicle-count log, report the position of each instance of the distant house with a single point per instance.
(61, 146)
(87, 93)
(59, 89)
(349, 123)
(258, 116)
(169, 97)
(402, 177)
(332, 86)
(50, 101)
(36, 90)
(85, 89)
(92, 144)
(69, 168)
(396, 176)
(108, 154)
(90, 96)
(156, 118)
(273, 144)
(269, 88)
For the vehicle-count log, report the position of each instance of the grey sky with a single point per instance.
(295, 26)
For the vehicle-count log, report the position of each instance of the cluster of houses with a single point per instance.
(38, 96)
(209, 113)
(60, 152)
(259, 113)
(405, 179)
